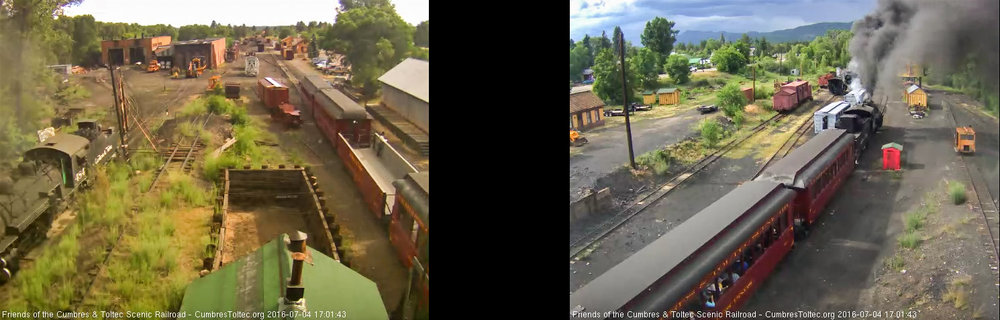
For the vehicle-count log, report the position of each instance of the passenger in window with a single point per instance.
(708, 298)
(735, 276)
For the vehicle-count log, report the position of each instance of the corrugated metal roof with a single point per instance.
(196, 41)
(648, 92)
(410, 76)
(256, 283)
(666, 90)
(584, 100)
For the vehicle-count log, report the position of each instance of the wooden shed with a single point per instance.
(648, 97)
(585, 110)
(669, 96)
(915, 96)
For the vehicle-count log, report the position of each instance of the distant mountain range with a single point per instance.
(803, 33)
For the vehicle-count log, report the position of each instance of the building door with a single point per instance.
(579, 120)
(116, 56)
(136, 54)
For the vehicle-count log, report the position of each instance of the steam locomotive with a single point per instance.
(38, 189)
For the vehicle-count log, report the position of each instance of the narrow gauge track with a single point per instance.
(107, 256)
(987, 208)
(176, 148)
(789, 143)
(605, 228)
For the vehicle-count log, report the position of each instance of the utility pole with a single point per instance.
(628, 125)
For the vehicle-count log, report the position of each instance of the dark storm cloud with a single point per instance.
(591, 17)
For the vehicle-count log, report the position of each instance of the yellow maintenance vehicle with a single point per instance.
(175, 73)
(195, 68)
(965, 140)
(213, 82)
(153, 66)
(575, 139)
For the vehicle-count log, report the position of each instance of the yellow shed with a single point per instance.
(669, 96)
(915, 96)
(648, 97)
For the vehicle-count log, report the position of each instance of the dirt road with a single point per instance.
(607, 148)
(987, 158)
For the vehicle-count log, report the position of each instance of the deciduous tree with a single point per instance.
(659, 36)
(678, 69)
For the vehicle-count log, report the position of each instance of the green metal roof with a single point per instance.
(256, 282)
(647, 92)
(666, 90)
(892, 145)
(694, 60)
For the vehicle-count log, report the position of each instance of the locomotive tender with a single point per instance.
(52, 172)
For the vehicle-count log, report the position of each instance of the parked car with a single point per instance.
(638, 107)
(588, 81)
(707, 109)
(321, 65)
(614, 113)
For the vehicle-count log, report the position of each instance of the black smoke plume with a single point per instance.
(939, 34)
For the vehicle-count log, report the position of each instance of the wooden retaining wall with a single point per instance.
(294, 187)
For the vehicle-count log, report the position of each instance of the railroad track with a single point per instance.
(789, 144)
(177, 148)
(987, 207)
(605, 228)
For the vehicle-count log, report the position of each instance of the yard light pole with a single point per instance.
(628, 125)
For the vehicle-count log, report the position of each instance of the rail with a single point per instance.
(602, 230)
(789, 144)
(612, 224)
(992, 227)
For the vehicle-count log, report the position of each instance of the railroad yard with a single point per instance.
(209, 181)
(869, 271)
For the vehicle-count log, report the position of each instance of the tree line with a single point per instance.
(36, 34)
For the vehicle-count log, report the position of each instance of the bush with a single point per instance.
(212, 169)
(914, 220)
(218, 105)
(956, 190)
(711, 133)
(238, 116)
(763, 92)
(657, 160)
(731, 100)
(700, 83)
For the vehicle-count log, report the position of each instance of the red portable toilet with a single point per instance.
(890, 156)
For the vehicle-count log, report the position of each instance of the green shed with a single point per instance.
(265, 281)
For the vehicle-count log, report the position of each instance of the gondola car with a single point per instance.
(38, 189)
(745, 233)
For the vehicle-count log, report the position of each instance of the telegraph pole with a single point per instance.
(628, 125)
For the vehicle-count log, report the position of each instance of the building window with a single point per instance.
(571, 121)
(589, 121)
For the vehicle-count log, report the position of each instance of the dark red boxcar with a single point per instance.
(272, 92)
(336, 113)
(791, 95)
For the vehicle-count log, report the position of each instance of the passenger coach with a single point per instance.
(711, 262)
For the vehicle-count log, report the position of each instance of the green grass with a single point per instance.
(896, 262)
(910, 240)
(914, 220)
(956, 191)
(195, 107)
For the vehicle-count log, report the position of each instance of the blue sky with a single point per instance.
(249, 12)
(592, 16)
